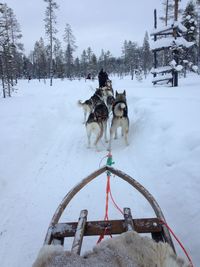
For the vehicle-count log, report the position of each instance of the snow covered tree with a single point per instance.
(93, 65)
(27, 69)
(77, 68)
(146, 55)
(83, 63)
(50, 21)
(71, 47)
(106, 60)
(101, 59)
(189, 20)
(198, 41)
(58, 59)
(9, 47)
(89, 59)
(40, 60)
(131, 54)
(15, 36)
(91, 62)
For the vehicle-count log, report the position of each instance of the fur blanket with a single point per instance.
(127, 250)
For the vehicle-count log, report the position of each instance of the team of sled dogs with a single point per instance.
(96, 114)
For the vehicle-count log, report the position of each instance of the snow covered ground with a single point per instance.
(43, 154)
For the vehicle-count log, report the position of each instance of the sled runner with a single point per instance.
(57, 231)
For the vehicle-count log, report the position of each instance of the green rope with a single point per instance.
(109, 162)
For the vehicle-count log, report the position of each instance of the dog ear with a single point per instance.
(124, 93)
(116, 93)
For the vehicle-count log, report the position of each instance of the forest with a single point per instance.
(57, 59)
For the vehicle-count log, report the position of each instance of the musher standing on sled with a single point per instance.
(103, 77)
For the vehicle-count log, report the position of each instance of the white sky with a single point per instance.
(101, 24)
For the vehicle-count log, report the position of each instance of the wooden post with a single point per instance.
(166, 12)
(78, 238)
(128, 219)
(155, 38)
(176, 56)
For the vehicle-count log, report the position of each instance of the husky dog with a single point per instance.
(97, 123)
(89, 104)
(120, 117)
(109, 102)
(108, 87)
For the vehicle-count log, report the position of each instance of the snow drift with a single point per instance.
(128, 249)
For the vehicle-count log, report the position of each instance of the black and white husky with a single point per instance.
(97, 123)
(89, 104)
(120, 117)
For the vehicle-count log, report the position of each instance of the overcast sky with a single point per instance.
(102, 24)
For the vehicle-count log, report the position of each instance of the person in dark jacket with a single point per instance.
(89, 76)
(103, 77)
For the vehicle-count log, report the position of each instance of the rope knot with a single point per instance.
(109, 162)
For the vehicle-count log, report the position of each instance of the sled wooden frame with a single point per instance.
(57, 232)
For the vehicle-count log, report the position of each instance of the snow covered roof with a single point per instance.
(170, 41)
(169, 28)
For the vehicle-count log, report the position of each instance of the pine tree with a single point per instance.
(198, 40)
(189, 20)
(83, 64)
(77, 68)
(58, 59)
(146, 55)
(40, 60)
(71, 47)
(131, 54)
(93, 65)
(50, 21)
(9, 34)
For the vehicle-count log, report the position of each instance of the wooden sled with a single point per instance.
(57, 232)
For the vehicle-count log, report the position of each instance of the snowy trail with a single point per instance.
(47, 156)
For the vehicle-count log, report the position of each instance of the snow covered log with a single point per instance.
(169, 29)
(128, 249)
(170, 41)
(162, 69)
(161, 78)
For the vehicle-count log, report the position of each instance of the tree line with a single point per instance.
(57, 58)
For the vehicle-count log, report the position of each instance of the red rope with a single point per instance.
(179, 242)
(116, 206)
(106, 209)
(107, 197)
